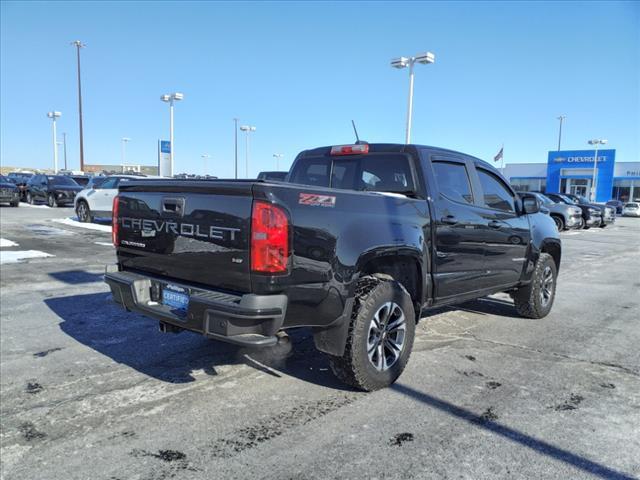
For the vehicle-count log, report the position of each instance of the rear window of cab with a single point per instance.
(373, 173)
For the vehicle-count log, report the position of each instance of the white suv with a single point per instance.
(97, 199)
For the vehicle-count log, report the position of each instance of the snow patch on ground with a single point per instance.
(7, 243)
(106, 244)
(89, 226)
(19, 256)
(33, 206)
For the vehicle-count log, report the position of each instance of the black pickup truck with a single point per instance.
(354, 245)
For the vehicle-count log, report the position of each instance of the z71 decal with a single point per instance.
(316, 200)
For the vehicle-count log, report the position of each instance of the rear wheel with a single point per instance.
(536, 299)
(15, 204)
(559, 222)
(83, 212)
(380, 335)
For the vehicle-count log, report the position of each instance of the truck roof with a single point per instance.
(395, 148)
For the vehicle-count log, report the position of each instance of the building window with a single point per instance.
(528, 184)
(626, 190)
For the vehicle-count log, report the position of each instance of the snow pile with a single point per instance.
(89, 226)
(7, 243)
(15, 257)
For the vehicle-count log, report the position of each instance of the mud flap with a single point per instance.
(333, 339)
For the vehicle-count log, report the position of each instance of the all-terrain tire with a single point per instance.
(536, 299)
(354, 367)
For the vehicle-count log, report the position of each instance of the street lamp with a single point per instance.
(170, 98)
(278, 156)
(64, 142)
(246, 129)
(205, 157)
(53, 115)
(124, 144)
(404, 62)
(561, 118)
(595, 142)
(235, 133)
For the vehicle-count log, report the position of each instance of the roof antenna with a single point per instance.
(355, 130)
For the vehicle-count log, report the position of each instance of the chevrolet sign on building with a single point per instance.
(571, 171)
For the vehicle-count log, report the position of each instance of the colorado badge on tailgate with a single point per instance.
(317, 200)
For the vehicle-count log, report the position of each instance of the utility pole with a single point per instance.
(561, 118)
(78, 44)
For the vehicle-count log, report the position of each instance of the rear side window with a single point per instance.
(453, 181)
(110, 183)
(496, 194)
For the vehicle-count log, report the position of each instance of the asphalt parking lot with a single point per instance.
(89, 392)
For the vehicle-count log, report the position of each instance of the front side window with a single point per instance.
(110, 183)
(453, 181)
(496, 194)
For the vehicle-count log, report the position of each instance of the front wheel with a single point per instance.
(30, 199)
(380, 337)
(83, 212)
(559, 222)
(51, 201)
(536, 299)
(15, 204)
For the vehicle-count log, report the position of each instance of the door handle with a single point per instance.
(449, 220)
(494, 224)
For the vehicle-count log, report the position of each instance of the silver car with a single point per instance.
(567, 217)
(631, 209)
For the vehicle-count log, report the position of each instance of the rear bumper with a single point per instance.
(249, 319)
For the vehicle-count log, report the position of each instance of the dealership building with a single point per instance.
(571, 171)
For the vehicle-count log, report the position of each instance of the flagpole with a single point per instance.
(502, 150)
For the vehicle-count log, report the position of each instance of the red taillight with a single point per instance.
(350, 149)
(269, 238)
(114, 222)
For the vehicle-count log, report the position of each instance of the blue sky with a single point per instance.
(301, 71)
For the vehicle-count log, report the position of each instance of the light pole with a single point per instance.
(595, 142)
(403, 62)
(124, 144)
(561, 118)
(278, 156)
(246, 129)
(235, 132)
(170, 98)
(64, 142)
(205, 157)
(78, 44)
(53, 115)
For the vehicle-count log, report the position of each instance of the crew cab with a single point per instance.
(358, 241)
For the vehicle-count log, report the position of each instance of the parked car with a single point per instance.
(97, 199)
(399, 228)
(591, 216)
(21, 179)
(56, 190)
(617, 204)
(279, 176)
(565, 216)
(608, 213)
(9, 192)
(631, 209)
(82, 180)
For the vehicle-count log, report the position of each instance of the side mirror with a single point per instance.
(530, 204)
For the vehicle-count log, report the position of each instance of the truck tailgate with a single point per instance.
(190, 231)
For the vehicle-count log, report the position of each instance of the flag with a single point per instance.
(499, 155)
